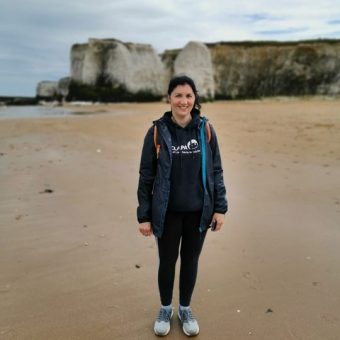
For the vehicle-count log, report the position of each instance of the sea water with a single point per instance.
(33, 111)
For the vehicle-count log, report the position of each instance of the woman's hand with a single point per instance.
(219, 218)
(145, 228)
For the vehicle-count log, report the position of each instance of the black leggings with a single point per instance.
(179, 228)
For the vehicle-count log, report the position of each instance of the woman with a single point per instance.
(181, 194)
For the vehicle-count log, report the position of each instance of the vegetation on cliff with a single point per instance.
(107, 94)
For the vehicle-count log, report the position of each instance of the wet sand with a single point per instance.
(73, 265)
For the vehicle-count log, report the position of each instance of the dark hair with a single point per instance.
(185, 80)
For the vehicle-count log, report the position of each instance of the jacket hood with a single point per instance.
(194, 123)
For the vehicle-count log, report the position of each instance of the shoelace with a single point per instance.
(164, 315)
(187, 315)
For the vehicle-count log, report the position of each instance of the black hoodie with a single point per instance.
(186, 189)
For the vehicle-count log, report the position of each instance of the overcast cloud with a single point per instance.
(36, 35)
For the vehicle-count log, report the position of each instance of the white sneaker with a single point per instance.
(162, 323)
(189, 323)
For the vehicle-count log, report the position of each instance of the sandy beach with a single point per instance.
(74, 266)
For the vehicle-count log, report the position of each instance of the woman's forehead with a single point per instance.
(183, 88)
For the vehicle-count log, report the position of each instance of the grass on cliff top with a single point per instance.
(253, 43)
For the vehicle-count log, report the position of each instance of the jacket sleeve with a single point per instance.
(147, 173)
(220, 200)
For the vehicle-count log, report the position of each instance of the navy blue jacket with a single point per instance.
(154, 180)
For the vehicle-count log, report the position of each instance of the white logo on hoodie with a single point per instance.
(190, 147)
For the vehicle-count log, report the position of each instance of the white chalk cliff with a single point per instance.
(137, 67)
(220, 70)
(195, 61)
(47, 89)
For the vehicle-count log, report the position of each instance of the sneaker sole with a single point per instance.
(184, 331)
(165, 334)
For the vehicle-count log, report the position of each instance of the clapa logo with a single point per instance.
(188, 148)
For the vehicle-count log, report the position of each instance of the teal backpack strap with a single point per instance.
(203, 153)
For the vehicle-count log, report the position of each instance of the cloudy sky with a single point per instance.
(36, 35)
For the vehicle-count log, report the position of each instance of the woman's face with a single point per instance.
(182, 100)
